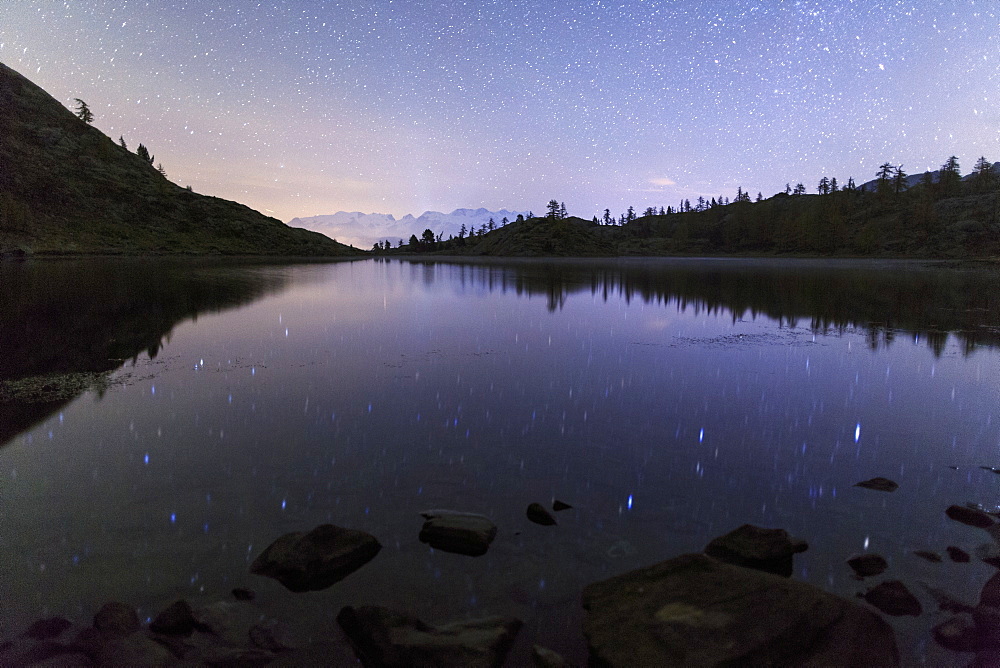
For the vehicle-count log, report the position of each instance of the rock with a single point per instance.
(990, 594)
(384, 637)
(175, 620)
(958, 555)
(558, 505)
(879, 483)
(241, 594)
(696, 611)
(135, 650)
(537, 514)
(46, 629)
(958, 633)
(116, 618)
(991, 469)
(316, 560)
(866, 565)
(462, 533)
(929, 556)
(768, 550)
(543, 657)
(970, 516)
(893, 598)
(266, 637)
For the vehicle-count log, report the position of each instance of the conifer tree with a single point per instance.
(83, 111)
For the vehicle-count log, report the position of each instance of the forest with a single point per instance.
(935, 214)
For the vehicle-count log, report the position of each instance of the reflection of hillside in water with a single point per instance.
(88, 317)
(881, 298)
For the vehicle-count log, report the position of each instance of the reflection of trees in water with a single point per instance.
(883, 299)
(90, 316)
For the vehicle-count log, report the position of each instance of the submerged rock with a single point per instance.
(558, 505)
(461, 533)
(879, 483)
(768, 550)
(970, 516)
(866, 565)
(384, 637)
(318, 559)
(957, 633)
(543, 657)
(893, 598)
(958, 555)
(46, 629)
(696, 611)
(536, 513)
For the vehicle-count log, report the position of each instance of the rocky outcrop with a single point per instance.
(866, 565)
(879, 484)
(461, 533)
(384, 637)
(318, 559)
(768, 550)
(696, 611)
(893, 598)
(536, 513)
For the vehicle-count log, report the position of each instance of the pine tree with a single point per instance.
(83, 111)
(553, 210)
(143, 153)
(898, 180)
(950, 178)
(121, 142)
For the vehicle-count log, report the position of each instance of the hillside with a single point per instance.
(65, 187)
(957, 219)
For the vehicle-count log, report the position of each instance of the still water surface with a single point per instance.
(669, 401)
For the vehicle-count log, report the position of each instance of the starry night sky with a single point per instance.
(399, 106)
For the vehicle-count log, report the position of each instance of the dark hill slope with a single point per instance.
(65, 187)
(539, 237)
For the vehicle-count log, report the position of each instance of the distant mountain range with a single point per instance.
(362, 230)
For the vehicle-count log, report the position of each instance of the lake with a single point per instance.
(201, 409)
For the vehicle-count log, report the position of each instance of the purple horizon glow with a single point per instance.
(306, 108)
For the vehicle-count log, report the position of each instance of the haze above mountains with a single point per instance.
(362, 230)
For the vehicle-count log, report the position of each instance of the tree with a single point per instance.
(850, 184)
(562, 211)
(462, 231)
(608, 220)
(162, 171)
(824, 186)
(504, 222)
(83, 111)
(143, 153)
(800, 189)
(760, 196)
(553, 210)
(491, 225)
(984, 174)
(630, 215)
(427, 238)
(950, 178)
(833, 185)
(662, 211)
(121, 142)
(519, 219)
(898, 180)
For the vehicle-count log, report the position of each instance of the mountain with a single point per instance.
(364, 229)
(65, 187)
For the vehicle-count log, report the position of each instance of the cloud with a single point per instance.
(663, 181)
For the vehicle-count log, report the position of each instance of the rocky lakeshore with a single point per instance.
(735, 603)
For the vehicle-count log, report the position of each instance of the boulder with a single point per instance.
(866, 565)
(316, 560)
(558, 505)
(970, 516)
(893, 598)
(536, 513)
(768, 550)
(879, 484)
(384, 637)
(116, 618)
(696, 611)
(462, 533)
(177, 619)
